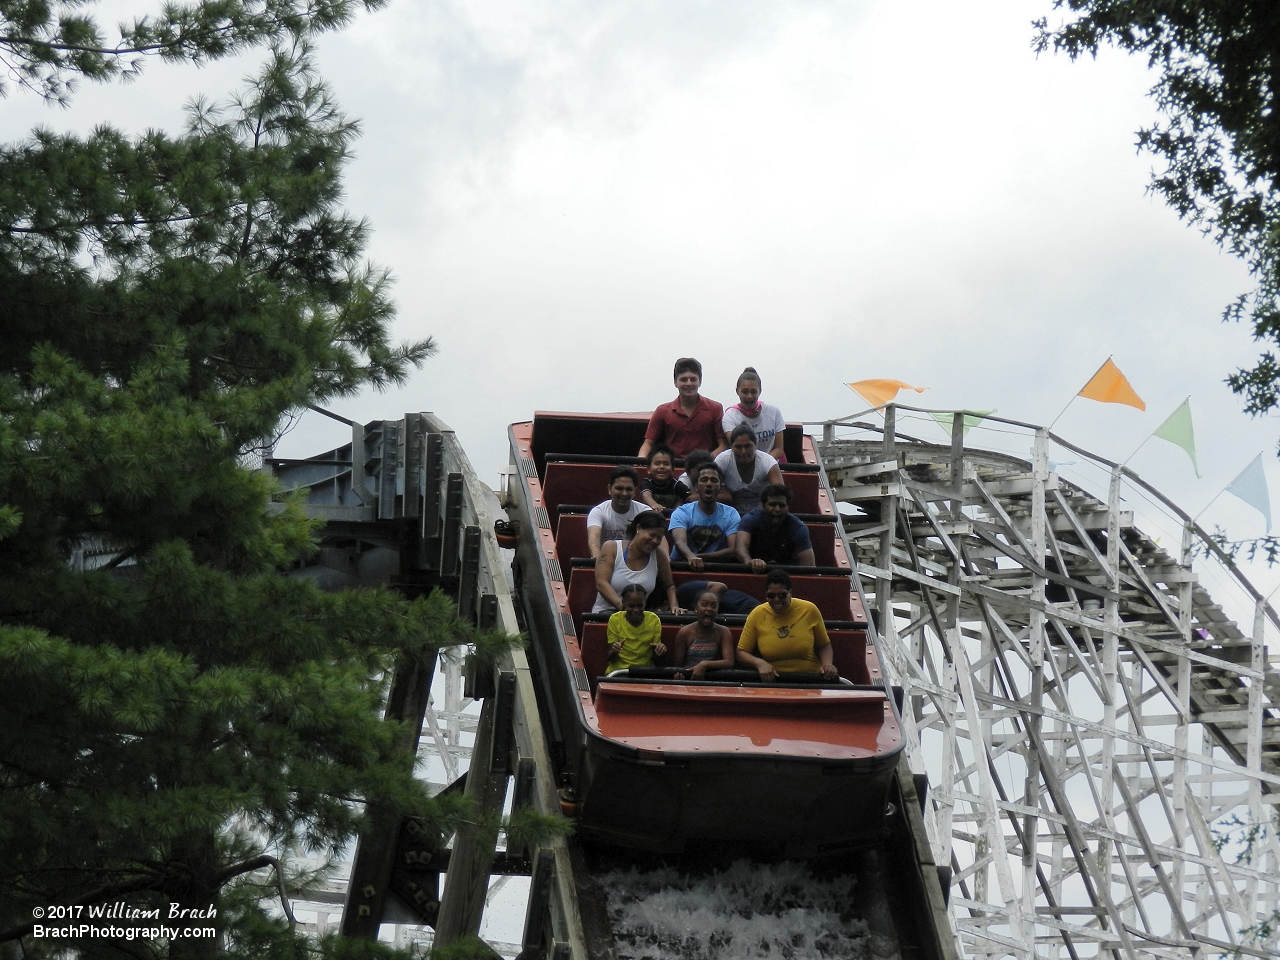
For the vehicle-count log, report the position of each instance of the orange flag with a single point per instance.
(879, 392)
(1109, 385)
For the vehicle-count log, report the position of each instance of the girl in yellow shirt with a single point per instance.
(635, 634)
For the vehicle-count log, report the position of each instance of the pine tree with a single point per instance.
(47, 46)
(178, 713)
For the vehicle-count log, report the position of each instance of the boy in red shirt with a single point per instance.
(690, 422)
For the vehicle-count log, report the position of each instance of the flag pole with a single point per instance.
(1217, 495)
(1077, 393)
(1135, 452)
(1157, 430)
(1210, 503)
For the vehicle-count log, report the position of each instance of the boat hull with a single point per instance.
(797, 772)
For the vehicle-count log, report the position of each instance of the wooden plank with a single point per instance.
(864, 470)
(856, 492)
(462, 904)
(879, 573)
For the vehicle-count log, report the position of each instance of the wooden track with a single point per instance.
(1102, 738)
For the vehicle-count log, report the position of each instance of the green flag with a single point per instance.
(945, 420)
(1178, 429)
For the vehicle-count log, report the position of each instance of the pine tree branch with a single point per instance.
(102, 51)
(132, 222)
(257, 863)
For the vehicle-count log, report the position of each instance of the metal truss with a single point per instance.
(1102, 740)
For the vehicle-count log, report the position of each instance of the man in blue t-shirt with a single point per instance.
(705, 529)
(770, 534)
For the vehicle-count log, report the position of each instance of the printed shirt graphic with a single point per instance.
(706, 534)
(789, 642)
(767, 423)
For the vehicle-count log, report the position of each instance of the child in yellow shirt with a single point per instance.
(635, 634)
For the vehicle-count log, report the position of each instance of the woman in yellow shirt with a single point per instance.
(785, 635)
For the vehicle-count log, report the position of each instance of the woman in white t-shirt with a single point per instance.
(763, 418)
(747, 470)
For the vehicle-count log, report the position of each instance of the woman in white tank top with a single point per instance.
(639, 559)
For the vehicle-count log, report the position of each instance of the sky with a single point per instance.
(572, 194)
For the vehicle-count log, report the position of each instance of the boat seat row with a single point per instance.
(641, 461)
(578, 483)
(826, 587)
(571, 538)
(848, 649)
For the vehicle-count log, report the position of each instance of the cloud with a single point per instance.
(573, 195)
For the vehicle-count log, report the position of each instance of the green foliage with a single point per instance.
(1246, 839)
(45, 46)
(528, 826)
(263, 936)
(1267, 548)
(1219, 135)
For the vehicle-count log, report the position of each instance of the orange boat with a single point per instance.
(649, 762)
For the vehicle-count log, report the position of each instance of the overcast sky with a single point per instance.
(571, 194)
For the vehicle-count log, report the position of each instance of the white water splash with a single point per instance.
(748, 911)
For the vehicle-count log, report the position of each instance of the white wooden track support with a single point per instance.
(1101, 739)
